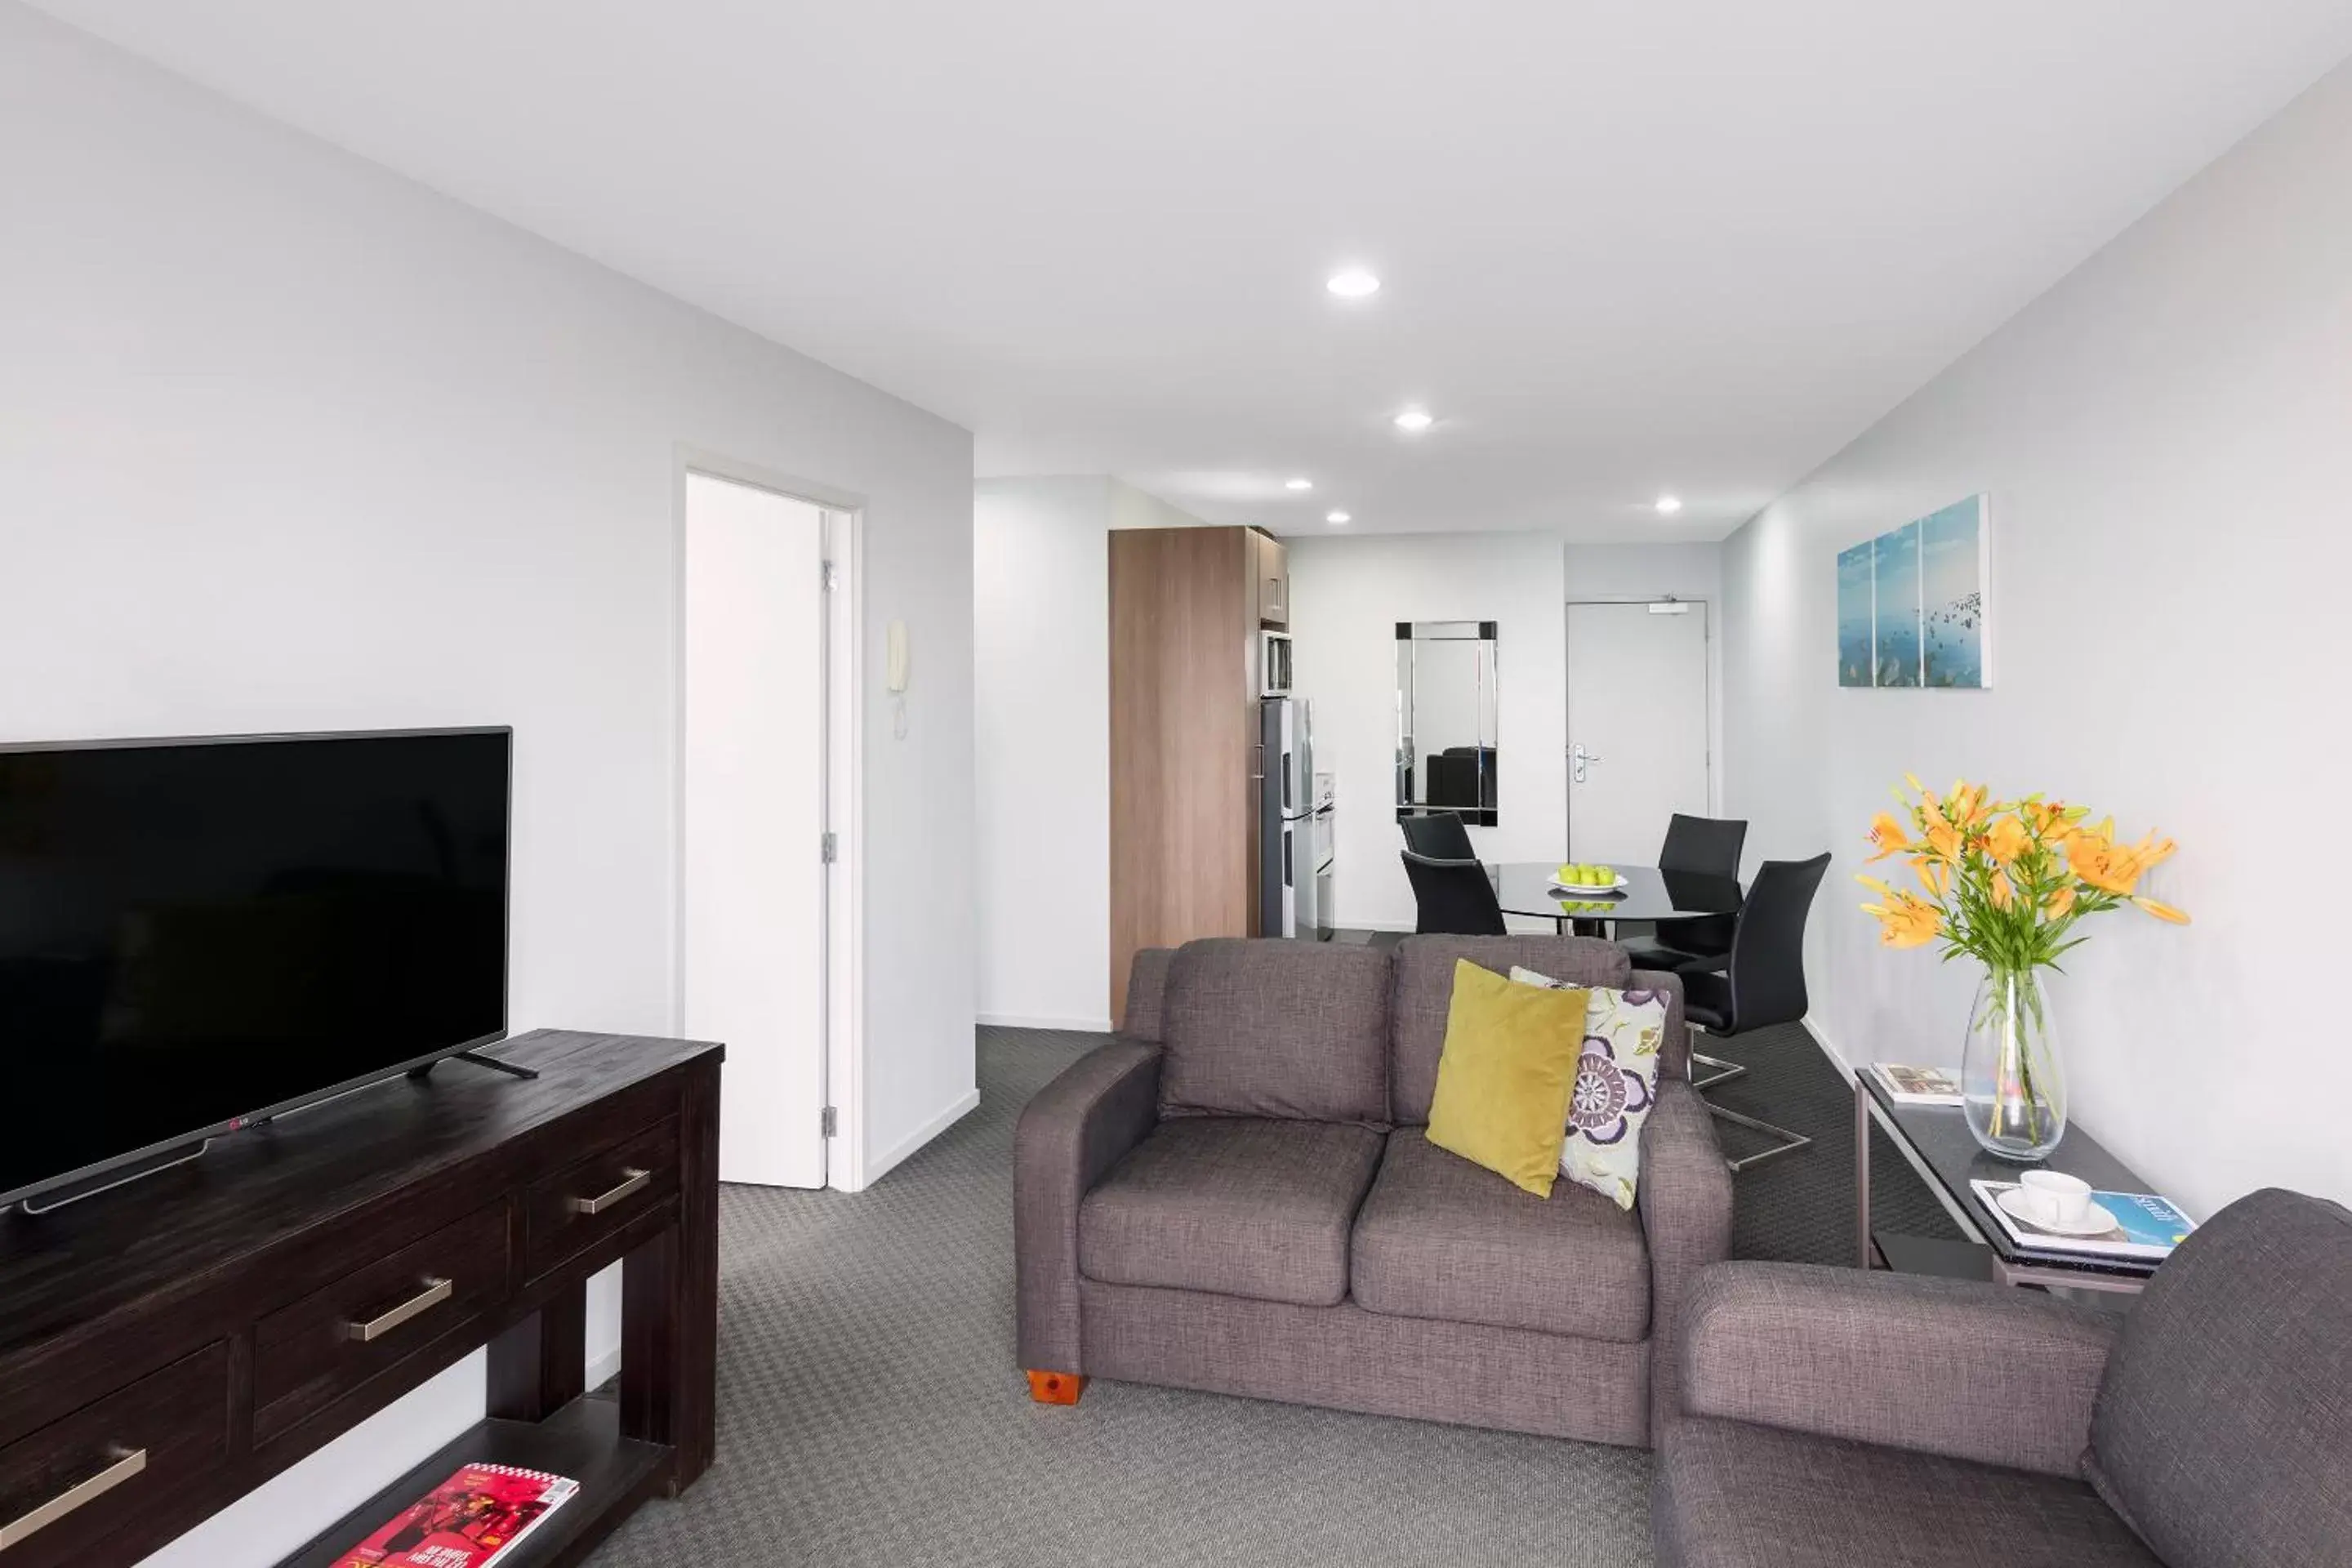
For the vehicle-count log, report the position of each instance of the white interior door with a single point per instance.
(753, 950)
(1637, 726)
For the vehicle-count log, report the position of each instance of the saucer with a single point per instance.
(2098, 1222)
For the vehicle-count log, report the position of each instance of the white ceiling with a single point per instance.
(1627, 248)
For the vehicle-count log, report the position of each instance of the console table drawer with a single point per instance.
(588, 1200)
(307, 1354)
(65, 1488)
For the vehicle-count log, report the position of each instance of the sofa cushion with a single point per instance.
(1277, 1029)
(1240, 1205)
(1503, 1084)
(1147, 985)
(1423, 990)
(1729, 1495)
(1439, 1238)
(2223, 1429)
(1616, 1087)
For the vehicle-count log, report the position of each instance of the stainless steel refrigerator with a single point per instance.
(1294, 825)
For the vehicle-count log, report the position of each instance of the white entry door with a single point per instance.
(1637, 729)
(753, 950)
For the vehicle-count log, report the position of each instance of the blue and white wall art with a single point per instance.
(1911, 603)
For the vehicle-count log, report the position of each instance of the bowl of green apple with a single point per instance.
(1588, 881)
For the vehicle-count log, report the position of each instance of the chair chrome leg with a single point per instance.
(1793, 1142)
(1724, 1071)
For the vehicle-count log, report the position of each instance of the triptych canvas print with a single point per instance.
(1911, 603)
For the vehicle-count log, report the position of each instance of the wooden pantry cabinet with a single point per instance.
(1186, 606)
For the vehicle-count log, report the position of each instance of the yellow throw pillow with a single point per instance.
(1506, 1074)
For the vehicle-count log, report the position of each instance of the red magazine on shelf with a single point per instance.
(471, 1520)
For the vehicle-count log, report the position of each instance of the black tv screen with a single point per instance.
(195, 933)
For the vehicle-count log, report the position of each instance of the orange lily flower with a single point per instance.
(1908, 922)
(2054, 821)
(2008, 840)
(1888, 834)
(1943, 840)
(2110, 867)
(2059, 902)
(2163, 911)
(1934, 875)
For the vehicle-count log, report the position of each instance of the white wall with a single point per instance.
(1348, 592)
(2167, 440)
(1132, 508)
(1041, 679)
(290, 443)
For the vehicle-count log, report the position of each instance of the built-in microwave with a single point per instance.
(1274, 664)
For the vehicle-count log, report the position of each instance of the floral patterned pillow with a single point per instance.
(1616, 1085)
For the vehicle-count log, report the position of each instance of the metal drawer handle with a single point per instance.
(124, 1466)
(631, 1180)
(436, 1291)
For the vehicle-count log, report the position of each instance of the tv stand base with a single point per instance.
(513, 1069)
(58, 1198)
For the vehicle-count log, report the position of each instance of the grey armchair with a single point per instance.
(1832, 1417)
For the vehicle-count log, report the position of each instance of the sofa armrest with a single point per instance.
(1954, 1367)
(1069, 1134)
(1684, 1195)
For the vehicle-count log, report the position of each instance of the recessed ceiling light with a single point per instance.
(1354, 283)
(1669, 505)
(1414, 419)
(1298, 484)
(1335, 517)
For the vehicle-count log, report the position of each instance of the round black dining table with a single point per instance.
(1651, 893)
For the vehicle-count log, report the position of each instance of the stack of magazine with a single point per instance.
(2141, 1228)
(1918, 1086)
(475, 1518)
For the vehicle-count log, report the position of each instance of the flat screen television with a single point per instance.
(197, 934)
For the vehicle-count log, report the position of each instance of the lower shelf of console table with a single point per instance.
(582, 1441)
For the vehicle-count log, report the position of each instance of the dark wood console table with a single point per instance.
(167, 1346)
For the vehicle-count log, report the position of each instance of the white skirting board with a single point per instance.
(885, 1160)
(1836, 1056)
(1029, 1021)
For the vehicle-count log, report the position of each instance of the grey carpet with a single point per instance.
(870, 1412)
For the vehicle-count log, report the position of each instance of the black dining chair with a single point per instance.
(1453, 897)
(1440, 834)
(1708, 847)
(1761, 983)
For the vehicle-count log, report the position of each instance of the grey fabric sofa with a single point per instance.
(1836, 1418)
(1237, 1194)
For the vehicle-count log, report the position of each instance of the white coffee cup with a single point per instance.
(2053, 1197)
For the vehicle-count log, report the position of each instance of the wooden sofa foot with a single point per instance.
(1057, 1387)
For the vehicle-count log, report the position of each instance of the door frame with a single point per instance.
(844, 959)
(1566, 681)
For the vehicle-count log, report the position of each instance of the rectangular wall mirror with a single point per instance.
(1445, 706)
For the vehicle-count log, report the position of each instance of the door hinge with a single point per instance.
(826, 575)
(830, 848)
(832, 1123)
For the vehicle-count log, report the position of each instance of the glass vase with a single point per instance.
(2011, 1085)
